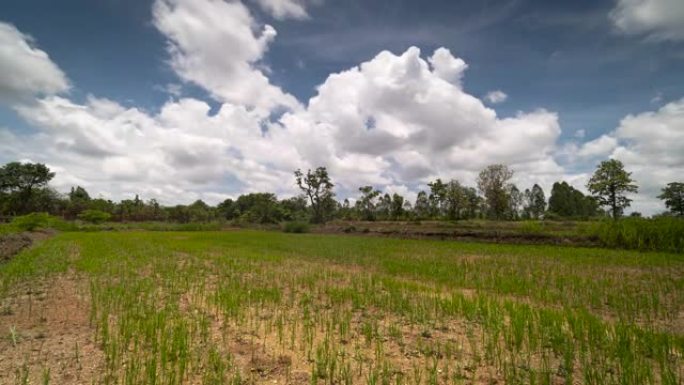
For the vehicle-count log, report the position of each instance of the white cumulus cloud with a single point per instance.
(658, 19)
(213, 44)
(25, 70)
(651, 145)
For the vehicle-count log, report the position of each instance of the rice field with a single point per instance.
(250, 307)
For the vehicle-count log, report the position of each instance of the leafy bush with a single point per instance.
(31, 221)
(94, 216)
(296, 227)
(532, 227)
(62, 225)
(664, 233)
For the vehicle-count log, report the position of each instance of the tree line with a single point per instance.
(24, 188)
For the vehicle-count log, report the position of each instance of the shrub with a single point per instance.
(94, 216)
(532, 227)
(296, 227)
(663, 234)
(31, 221)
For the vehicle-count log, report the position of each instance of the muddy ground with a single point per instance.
(556, 234)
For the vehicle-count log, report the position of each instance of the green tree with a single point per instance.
(568, 202)
(318, 188)
(515, 201)
(200, 211)
(534, 202)
(673, 195)
(295, 208)
(609, 184)
(227, 209)
(437, 198)
(384, 207)
(259, 208)
(367, 203)
(397, 210)
(422, 206)
(493, 184)
(79, 200)
(19, 183)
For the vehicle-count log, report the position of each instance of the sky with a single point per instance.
(180, 100)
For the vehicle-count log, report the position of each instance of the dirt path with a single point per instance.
(46, 333)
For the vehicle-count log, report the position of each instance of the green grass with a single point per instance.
(665, 234)
(167, 308)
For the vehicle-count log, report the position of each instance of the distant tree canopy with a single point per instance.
(534, 203)
(493, 184)
(673, 195)
(609, 184)
(568, 202)
(24, 189)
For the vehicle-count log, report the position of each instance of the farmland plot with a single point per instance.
(247, 307)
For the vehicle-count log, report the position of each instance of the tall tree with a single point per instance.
(609, 184)
(493, 184)
(455, 200)
(534, 202)
(397, 207)
(437, 198)
(19, 182)
(673, 195)
(366, 204)
(227, 209)
(515, 201)
(422, 206)
(566, 201)
(318, 188)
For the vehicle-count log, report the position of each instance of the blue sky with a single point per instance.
(589, 63)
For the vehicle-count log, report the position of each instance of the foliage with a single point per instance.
(534, 202)
(94, 216)
(450, 200)
(493, 184)
(31, 222)
(260, 208)
(673, 195)
(609, 184)
(532, 227)
(662, 234)
(296, 227)
(568, 202)
(317, 186)
(22, 185)
(366, 204)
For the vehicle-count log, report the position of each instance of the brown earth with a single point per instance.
(45, 332)
(493, 233)
(12, 244)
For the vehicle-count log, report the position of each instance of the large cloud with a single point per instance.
(405, 119)
(651, 145)
(659, 19)
(395, 121)
(26, 71)
(213, 44)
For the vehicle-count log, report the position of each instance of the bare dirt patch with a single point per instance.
(12, 244)
(45, 332)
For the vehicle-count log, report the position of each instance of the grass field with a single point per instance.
(240, 307)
